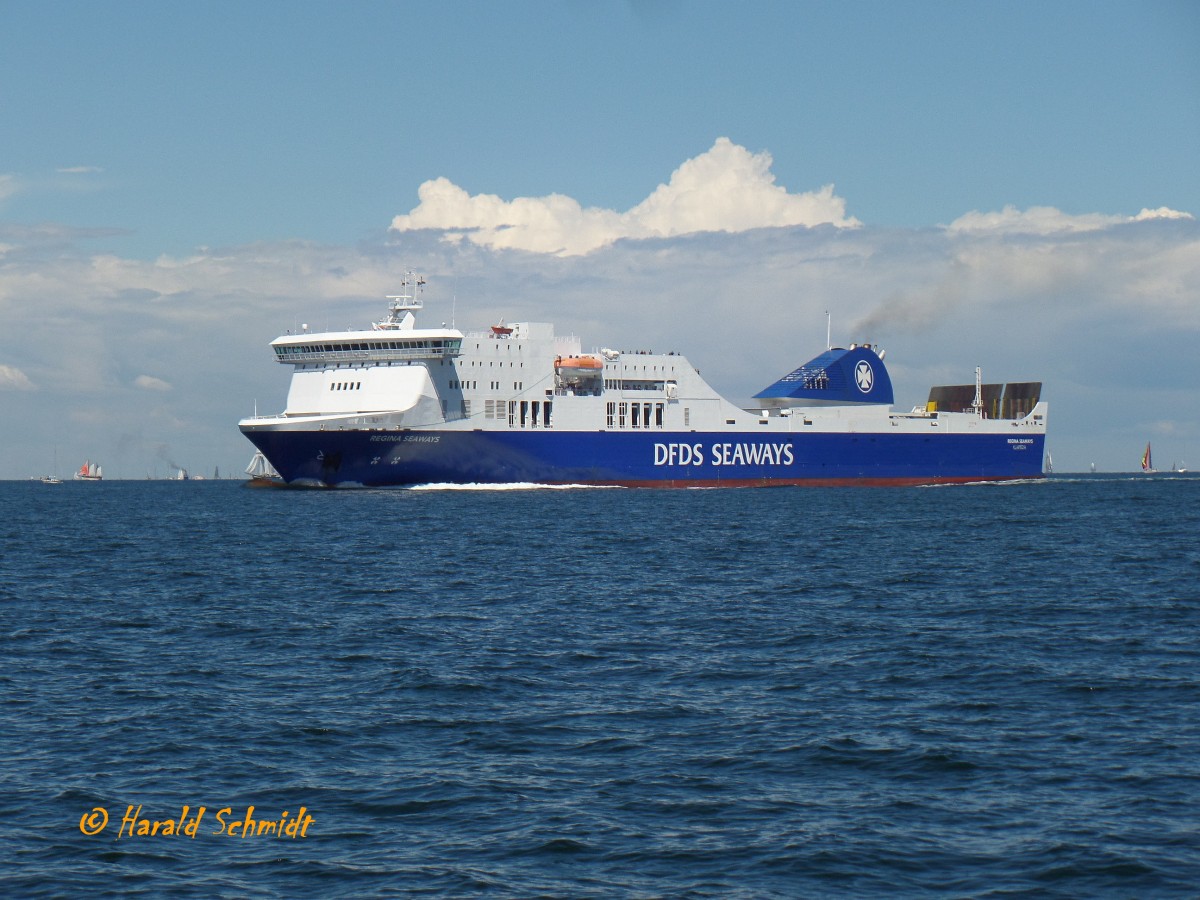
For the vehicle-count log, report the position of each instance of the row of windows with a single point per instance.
(529, 413)
(397, 346)
(346, 386)
(629, 384)
(635, 415)
(519, 413)
(459, 384)
(400, 363)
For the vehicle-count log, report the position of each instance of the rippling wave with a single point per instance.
(593, 693)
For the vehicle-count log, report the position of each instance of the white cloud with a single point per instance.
(80, 170)
(1046, 220)
(726, 189)
(13, 379)
(1161, 213)
(150, 383)
(8, 186)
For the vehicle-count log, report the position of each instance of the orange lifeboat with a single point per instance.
(578, 364)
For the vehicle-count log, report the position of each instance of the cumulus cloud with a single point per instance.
(1046, 220)
(13, 379)
(150, 383)
(726, 189)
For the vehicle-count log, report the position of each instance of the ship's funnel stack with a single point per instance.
(838, 377)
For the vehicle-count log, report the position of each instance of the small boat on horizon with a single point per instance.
(1148, 462)
(89, 471)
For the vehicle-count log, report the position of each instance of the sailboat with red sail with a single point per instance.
(89, 471)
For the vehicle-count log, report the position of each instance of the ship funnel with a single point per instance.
(855, 375)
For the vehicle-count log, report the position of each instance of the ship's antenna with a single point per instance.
(828, 331)
(401, 305)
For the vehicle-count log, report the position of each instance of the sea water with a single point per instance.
(986, 690)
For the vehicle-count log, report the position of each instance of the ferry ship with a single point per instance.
(397, 405)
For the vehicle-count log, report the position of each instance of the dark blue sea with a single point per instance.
(976, 691)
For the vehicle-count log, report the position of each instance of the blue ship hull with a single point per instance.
(661, 459)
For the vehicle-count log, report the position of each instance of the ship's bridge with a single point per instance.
(368, 347)
(395, 339)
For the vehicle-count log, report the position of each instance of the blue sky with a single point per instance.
(179, 183)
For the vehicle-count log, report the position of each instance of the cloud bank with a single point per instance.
(726, 189)
(1103, 308)
(1046, 220)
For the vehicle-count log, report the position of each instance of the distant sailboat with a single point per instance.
(1147, 462)
(89, 471)
(1178, 469)
(261, 472)
(53, 479)
(1049, 463)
